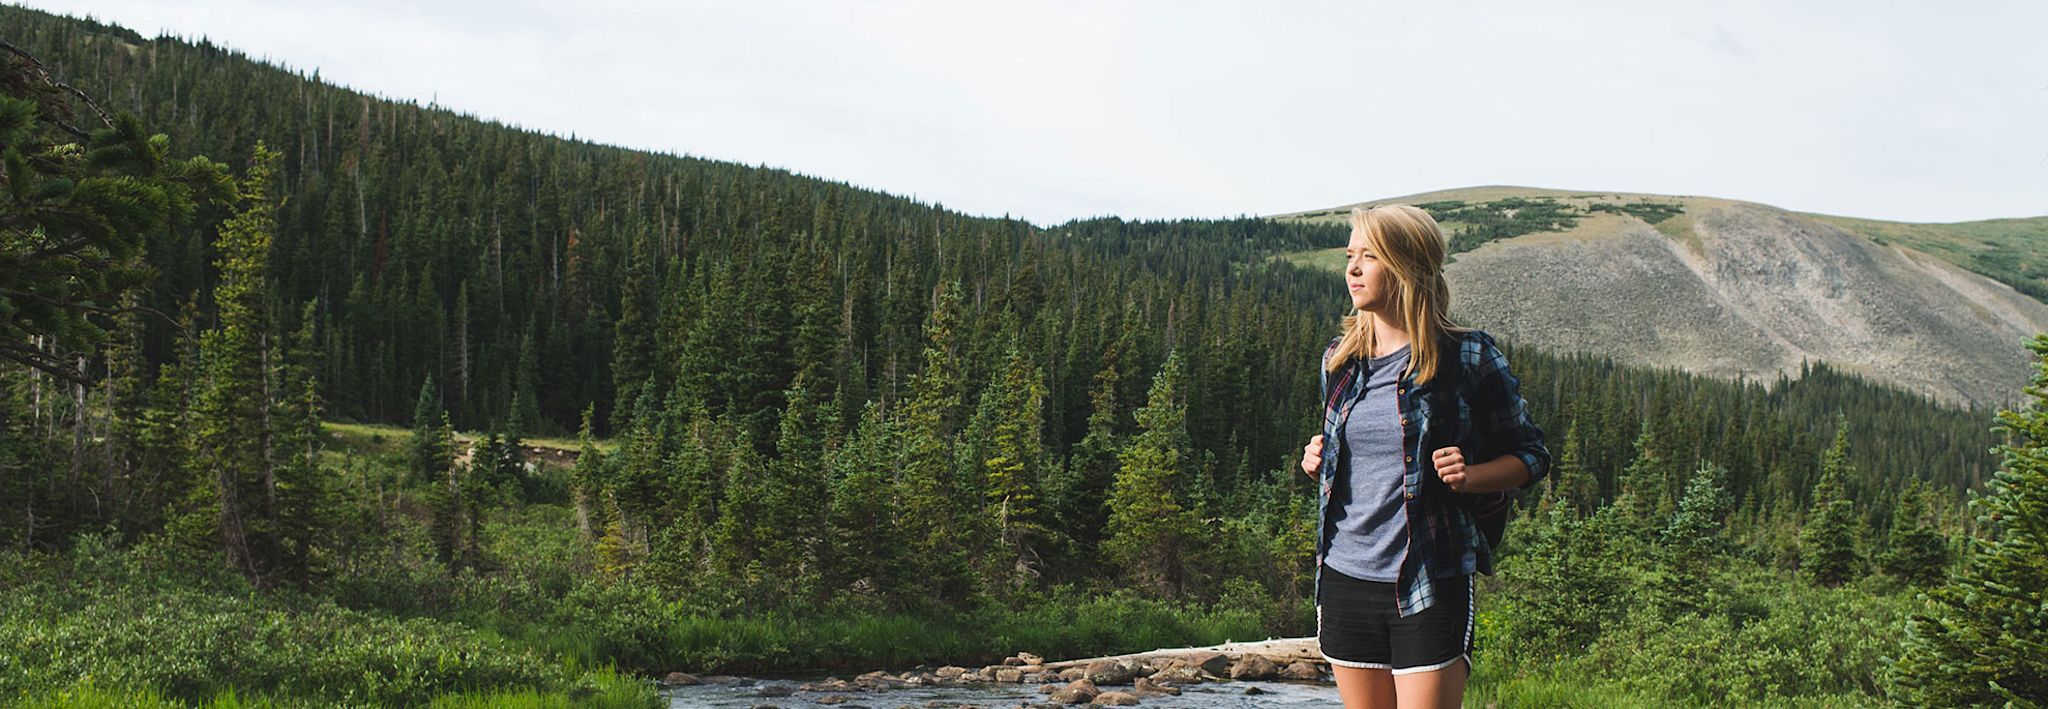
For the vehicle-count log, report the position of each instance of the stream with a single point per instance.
(786, 693)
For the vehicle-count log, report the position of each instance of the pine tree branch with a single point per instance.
(43, 72)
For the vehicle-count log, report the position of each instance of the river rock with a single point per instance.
(775, 690)
(1009, 674)
(1178, 675)
(1030, 659)
(1253, 690)
(1111, 672)
(950, 672)
(1148, 688)
(1073, 673)
(833, 699)
(1301, 669)
(1214, 663)
(679, 679)
(1049, 688)
(1254, 666)
(1116, 699)
(723, 679)
(1079, 691)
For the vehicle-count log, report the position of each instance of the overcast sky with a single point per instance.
(1916, 111)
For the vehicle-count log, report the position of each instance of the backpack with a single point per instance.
(1489, 510)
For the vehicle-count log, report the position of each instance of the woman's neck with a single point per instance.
(1387, 336)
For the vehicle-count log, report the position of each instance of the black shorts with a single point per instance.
(1360, 626)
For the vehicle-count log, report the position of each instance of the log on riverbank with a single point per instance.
(1282, 651)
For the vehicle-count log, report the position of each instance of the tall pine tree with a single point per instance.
(1983, 640)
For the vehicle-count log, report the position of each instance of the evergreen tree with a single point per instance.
(1080, 497)
(238, 404)
(1827, 543)
(1914, 552)
(633, 343)
(1149, 525)
(449, 504)
(796, 494)
(925, 459)
(1690, 542)
(1983, 639)
(1641, 483)
(1013, 466)
(587, 480)
(83, 190)
(867, 557)
(429, 455)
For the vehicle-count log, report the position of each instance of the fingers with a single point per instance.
(1450, 467)
(1312, 456)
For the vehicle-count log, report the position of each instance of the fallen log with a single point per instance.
(1280, 650)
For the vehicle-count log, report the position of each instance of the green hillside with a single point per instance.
(2010, 251)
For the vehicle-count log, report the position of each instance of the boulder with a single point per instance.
(1116, 699)
(950, 672)
(1079, 691)
(1009, 674)
(829, 684)
(1253, 690)
(833, 699)
(1148, 688)
(1214, 663)
(1177, 675)
(775, 690)
(1073, 673)
(679, 679)
(1030, 659)
(1301, 669)
(1254, 666)
(1013, 660)
(1111, 672)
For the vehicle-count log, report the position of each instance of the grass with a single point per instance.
(2010, 251)
(380, 439)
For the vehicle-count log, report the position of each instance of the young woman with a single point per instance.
(1421, 420)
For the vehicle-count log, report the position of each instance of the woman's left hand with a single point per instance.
(1450, 467)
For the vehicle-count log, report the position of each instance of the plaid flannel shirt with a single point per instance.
(1491, 420)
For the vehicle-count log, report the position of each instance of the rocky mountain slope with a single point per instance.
(1725, 288)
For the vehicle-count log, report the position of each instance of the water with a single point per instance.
(1208, 695)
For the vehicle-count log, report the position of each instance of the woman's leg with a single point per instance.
(1427, 690)
(1432, 650)
(1363, 688)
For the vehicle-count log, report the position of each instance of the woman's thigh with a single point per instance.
(1364, 688)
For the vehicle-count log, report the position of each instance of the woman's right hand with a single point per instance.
(1312, 457)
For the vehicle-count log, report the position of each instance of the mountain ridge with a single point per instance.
(1731, 288)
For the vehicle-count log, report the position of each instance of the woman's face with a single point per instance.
(1370, 284)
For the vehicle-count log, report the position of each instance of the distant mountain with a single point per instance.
(1731, 288)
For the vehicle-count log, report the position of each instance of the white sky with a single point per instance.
(1919, 111)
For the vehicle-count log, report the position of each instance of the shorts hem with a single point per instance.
(1357, 665)
(1430, 668)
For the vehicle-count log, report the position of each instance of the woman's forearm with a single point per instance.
(1503, 473)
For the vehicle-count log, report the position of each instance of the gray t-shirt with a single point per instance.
(1366, 506)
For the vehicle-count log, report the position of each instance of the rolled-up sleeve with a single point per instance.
(1502, 415)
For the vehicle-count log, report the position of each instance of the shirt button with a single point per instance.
(1411, 459)
(1408, 495)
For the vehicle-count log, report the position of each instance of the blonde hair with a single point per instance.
(1410, 246)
